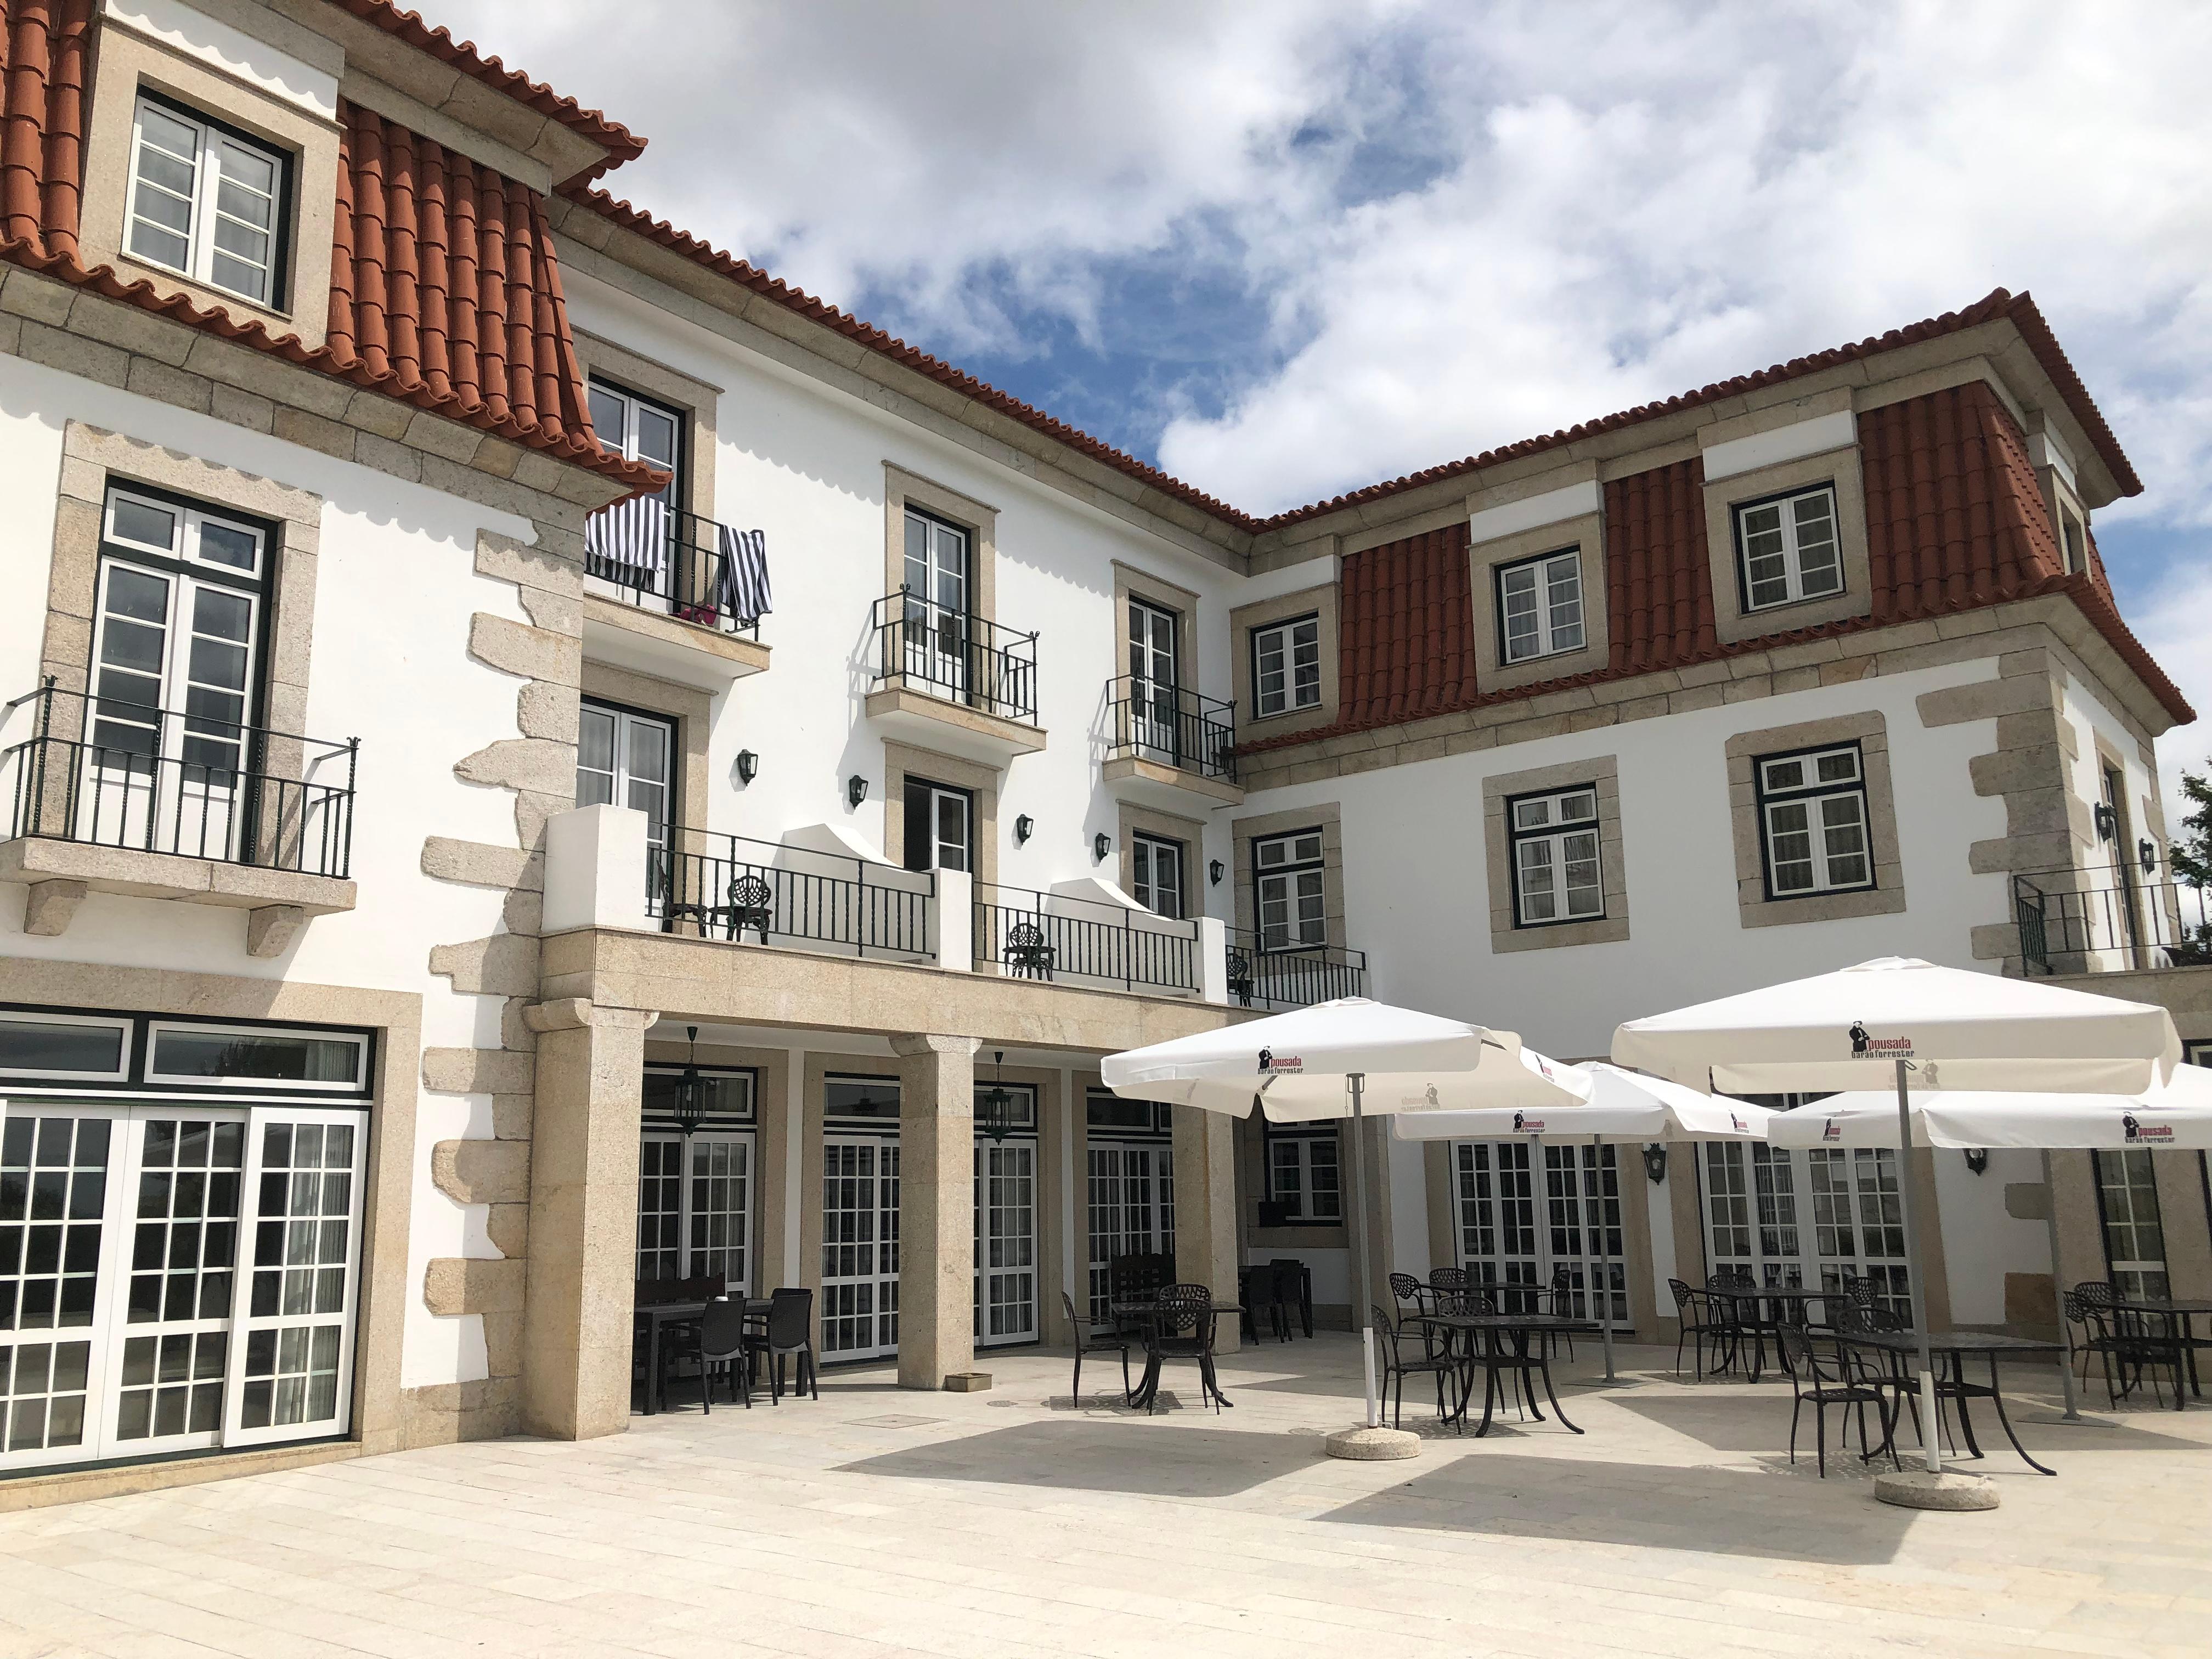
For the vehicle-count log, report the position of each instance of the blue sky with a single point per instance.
(1285, 250)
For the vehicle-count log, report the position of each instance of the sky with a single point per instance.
(1282, 250)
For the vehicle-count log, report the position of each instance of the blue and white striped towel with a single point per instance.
(744, 573)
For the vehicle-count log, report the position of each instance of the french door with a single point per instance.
(174, 1277)
(1522, 1220)
(936, 605)
(1132, 1210)
(694, 1206)
(1005, 1242)
(939, 827)
(859, 1246)
(1155, 674)
(1807, 1218)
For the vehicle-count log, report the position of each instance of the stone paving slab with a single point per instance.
(1021, 1523)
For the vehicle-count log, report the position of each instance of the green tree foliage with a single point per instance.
(2191, 850)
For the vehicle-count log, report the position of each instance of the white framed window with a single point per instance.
(2134, 1231)
(1540, 606)
(1286, 667)
(940, 826)
(1305, 1174)
(256, 1055)
(1558, 875)
(639, 429)
(627, 758)
(2074, 539)
(1789, 548)
(1812, 822)
(1286, 878)
(68, 1045)
(1156, 864)
(206, 202)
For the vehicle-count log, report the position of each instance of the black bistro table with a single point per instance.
(2180, 1319)
(1957, 1347)
(1143, 1310)
(1519, 1337)
(1790, 1300)
(659, 1319)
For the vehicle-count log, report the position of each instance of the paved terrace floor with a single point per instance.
(1014, 1523)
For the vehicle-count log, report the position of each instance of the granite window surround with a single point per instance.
(1599, 772)
(1583, 536)
(1733, 619)
(1244, 622)
(1870, 731)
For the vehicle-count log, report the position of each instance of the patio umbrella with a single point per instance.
(1345, 1058)
(1958, 1029)
(1623, 1109)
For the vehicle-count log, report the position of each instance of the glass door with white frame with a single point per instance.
(939, 827)
(625, 757)
(935, 575)
(1513, 1237)
(1130, 1187)
(859, 1246)
(1806, 1219)
(1006, 1232)
(639, 429)
(1155, 677)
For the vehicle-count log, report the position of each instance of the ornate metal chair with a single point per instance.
(1821, 1386)
(1028, 956)
(1240, 976)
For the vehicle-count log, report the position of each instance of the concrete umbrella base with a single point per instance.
(1918, 1489)
(1372, 1445)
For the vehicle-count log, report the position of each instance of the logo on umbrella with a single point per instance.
(1858, 1038)
(1867, 1046)
(1271, 1061)
(1832, 1130)
(2134, 1130)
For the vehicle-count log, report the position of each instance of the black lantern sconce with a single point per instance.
(1101, 845)
(2146, 855)
(2108, 821)
(1214, 871)
(748, 766)
(691, 1091)
(1977, 1159)
(1655, 1163)
(995, 1108)
(1024, 827)
(856, 790)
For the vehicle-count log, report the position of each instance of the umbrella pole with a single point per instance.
(1358, 1082)
(1604, 1264)
(2073, 1413)
(1931, 1433)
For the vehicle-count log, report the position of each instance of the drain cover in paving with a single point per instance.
(895, 1421)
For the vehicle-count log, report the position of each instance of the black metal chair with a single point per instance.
(1240, 977)
(1448, 1280)
(1094, 1339)
(1405, 1288)
(1290, 1281)
(1396, 1367)
(789, 1332)
(721, 1340)
(1181, 1327)
(1822, 1386)
(1694, 1313)
(1261, 1297)
(1027, 954)
(2129, 1346)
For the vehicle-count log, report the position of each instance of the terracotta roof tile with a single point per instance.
(1659, 581)
(617, 140)
(47, 48)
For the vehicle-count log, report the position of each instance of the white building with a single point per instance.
(384, 825)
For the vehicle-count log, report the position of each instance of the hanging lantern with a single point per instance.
(691, 1091)
(995, 1108)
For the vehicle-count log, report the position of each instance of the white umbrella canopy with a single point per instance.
(2177, 1116)
(1622, 1107)
(1960, 1030)
(1298, 1064)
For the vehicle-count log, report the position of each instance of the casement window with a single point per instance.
(1558, 875)
(1155, 865)
(639, 429)
(2134, 1231)
(1540, 606)
(940, 826)
(1286, 667)
(625, 757)
(1813, 823)
(1304, 1176)
(1789, 548)
(694, 1191)
(2074, 539)
(1287, 872)
(207, 201)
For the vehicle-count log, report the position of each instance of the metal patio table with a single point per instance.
(1740, 1294)
(1957, 1347)
(1521, 1330)
(1142, 1308)
(662, 1317)
(2180, 1317)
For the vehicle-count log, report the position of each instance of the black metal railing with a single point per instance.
(955, 656)
(733, 887)
(679, 564)
(113, 772)
(1172, 726)
(1291, 976)
(1046, 936)
(2111, 918)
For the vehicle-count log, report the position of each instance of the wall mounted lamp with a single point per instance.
(1977, 1159)
(1101, 845)
(1024, 827)
(2146, 853)
(1214, 871)
(748, 765)
(1654, 1161)
(856, 790)
(2108, 821)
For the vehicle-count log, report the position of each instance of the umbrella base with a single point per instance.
(1916, 1489)
(1372, 1445)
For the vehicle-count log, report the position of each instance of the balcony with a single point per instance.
(673, 595)
(2113, 919)
(950, 680)
(731, 887)
(115, 797)
(1067, 938)
(1291, 976)
(1168, 746)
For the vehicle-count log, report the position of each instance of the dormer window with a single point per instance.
(1789, 549)
(206, 202)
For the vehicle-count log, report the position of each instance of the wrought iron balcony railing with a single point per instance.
(955, 656)
(733, 887)
(111, 772)
(1032, 935)
(1285, 976)
(2109, 918)
(1172, 726)
(679, 564)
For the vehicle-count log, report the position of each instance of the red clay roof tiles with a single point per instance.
(47, 48)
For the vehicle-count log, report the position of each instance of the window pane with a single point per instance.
(1766, 566)
(1579, 859)
(1539, 901)
(1517, 590)
(607, 417)
(1842, 824)
(30, 1044)
(1820, 569)
(1270, 685)
(1564, 580)
(1789, 848)
(259, 1056)
(143, 522)
(229, 544)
